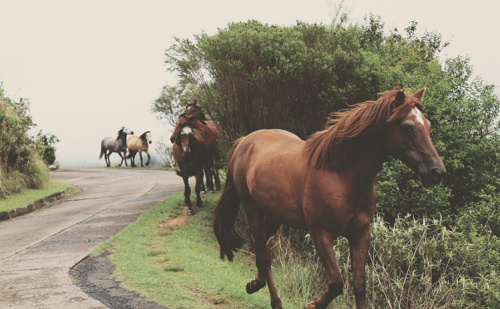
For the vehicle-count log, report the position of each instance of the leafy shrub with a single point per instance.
(20, 164)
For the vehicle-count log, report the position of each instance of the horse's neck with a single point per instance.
(364, 169)
(121, 141)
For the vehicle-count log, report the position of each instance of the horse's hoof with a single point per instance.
(189, 211)
(202, 192)
(276, 304)
(211, 191)
(199, 205)
(249, 287)
(310, 306)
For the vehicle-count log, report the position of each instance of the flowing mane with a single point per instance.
(349, 130)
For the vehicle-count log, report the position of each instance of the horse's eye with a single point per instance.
(408, 129)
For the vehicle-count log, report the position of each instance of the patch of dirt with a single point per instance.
(177, 221)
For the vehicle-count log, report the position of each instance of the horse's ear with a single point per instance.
(419, 94)
(194, 103)
(400, 98)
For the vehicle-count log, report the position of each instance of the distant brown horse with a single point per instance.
(190, 152)
(210, 133)
(138, 144)
(325, 185)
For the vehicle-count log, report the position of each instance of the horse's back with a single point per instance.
(268, 168)
(132, 142)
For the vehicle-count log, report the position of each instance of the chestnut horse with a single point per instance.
(190, 152)
(118, 145)
(325, 185)
(138, 144)
(210, 133)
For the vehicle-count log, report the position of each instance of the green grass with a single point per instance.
(30, 195)
(180, 267)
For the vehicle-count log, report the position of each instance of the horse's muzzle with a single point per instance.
(150, 142)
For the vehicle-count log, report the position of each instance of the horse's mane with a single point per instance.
(143, 135)
(350, 129)
(120, 132)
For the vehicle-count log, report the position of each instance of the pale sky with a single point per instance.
(91, 67)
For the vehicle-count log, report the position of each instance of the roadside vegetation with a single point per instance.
(179, 267)
(432, 247)
(23, 159)
(30, 195)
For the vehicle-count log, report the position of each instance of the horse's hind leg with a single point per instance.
(140, 156)
(106, 158)
(208, 177)
(199, 178)
(259, 228)
(216, 178)
(323, 241)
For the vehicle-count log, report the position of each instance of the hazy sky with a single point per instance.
(91, 67)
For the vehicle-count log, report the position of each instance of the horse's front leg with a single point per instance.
(140, 156)
(323, 240)
(149, 157)
(360, 244)
(187, 194)
(199, 178)
(124, 157)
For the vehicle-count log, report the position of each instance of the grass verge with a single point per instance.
(179, 267)
(30, 195)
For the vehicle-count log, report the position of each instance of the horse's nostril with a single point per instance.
(437, 174)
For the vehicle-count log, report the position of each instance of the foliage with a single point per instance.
(46, 148)
(252, 76)
(171, 102)
(20, 164)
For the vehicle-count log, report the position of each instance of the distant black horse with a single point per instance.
(118, 145)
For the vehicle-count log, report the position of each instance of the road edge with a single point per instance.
(37, 204)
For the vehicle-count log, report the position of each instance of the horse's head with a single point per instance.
(124, 131)
(185, 138)
(146, 137)
(191, 109)
(183, 118)
(409, 138)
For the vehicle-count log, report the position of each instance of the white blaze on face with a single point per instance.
(186, 131)
(189, 108)
(418, 115)
(148, 136)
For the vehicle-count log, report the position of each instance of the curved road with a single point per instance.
(37, 250)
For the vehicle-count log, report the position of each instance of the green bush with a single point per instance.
(20, 164)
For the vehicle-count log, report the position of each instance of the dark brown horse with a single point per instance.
(190, 152)
(209, 131)
(325, 185)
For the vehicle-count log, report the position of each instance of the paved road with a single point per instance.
(38, 249)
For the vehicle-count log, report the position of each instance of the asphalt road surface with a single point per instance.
(37, 250)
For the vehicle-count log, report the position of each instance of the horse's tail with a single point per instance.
(226, 212)
(103, 151)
